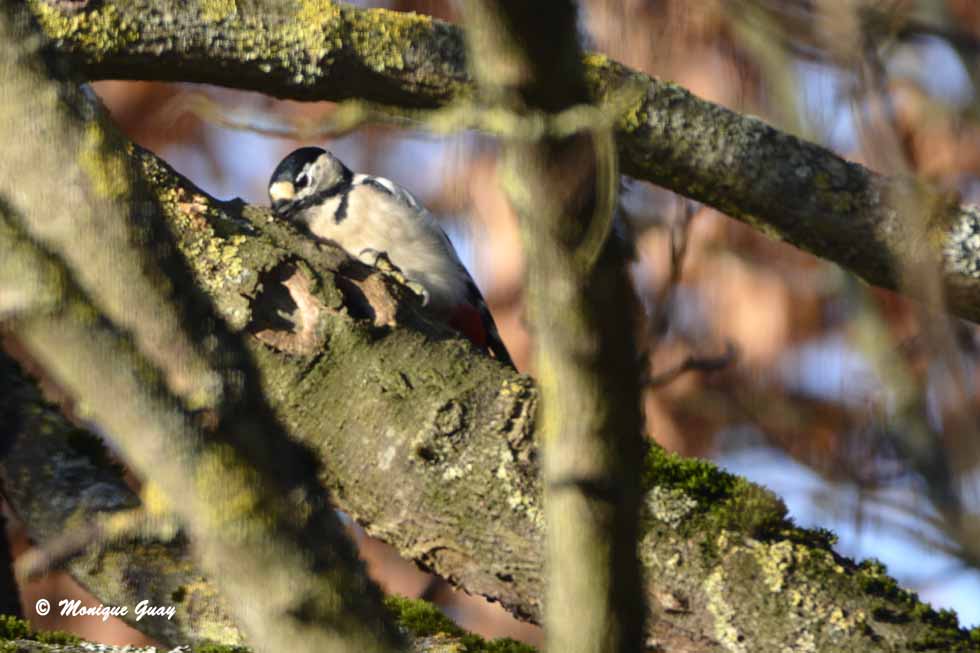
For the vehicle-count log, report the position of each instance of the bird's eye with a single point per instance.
(302, 181)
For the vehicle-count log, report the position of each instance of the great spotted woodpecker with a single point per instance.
(376, 220)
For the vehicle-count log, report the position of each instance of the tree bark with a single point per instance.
(86, 283)
(436, 457)
(788, 188)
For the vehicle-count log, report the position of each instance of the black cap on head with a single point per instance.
(282, 184)
(294, 163)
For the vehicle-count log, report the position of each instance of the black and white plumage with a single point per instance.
(370, 217)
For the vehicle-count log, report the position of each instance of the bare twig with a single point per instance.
(695, 363)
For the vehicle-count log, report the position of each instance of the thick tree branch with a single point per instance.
(185, 407)
(59, 478)
(436, 458)
(786, 187)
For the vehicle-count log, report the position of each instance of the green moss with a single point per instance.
(724, 500)
(220, 648)
(56, 637)
(873, 579)
(12, 628)
(422, 619)
(898, 605)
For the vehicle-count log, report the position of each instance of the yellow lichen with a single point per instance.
(216, 10)
(99, 30)
(725, 629)
(215, 627)
(103, 164)
(232, 485)
(155, 502)
(215, 260)
(316, 11)
(775, 561)
(380, 36)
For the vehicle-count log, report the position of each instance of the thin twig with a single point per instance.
(695, 363)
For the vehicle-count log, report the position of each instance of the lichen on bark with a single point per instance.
(389, 453)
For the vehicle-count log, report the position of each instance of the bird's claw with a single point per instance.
(381, 262)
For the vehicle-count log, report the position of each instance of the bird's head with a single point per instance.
(304, 177)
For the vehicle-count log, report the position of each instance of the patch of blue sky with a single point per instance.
(829, 368)
(936, 67)
(825, 105)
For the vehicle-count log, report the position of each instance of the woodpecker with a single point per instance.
(379, 222)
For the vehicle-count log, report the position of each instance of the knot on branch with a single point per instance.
(437, 442)
(287, 315)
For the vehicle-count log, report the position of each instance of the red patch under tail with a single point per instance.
(467, 320)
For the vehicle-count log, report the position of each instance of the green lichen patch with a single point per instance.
(220, 648)
(814, 598)
(13, 628)
(422, 619)
(801, 593)
(242, 513)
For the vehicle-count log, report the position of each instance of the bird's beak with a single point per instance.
(282, 194)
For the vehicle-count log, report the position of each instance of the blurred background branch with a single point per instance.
(583, 312)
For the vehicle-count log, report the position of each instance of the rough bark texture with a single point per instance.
(317, 49)
(583, 315)
(435, 456)
(192, 420)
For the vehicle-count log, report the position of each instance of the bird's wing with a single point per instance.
(465, 321)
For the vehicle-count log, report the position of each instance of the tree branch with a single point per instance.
(184, 406)
(583, 311)
(58, 478)
(788, 188)
(440, 426)
(436, 458)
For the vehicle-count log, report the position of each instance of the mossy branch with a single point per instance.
(321, 50)
(409, 461)
(185, 407)
(409, 458)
